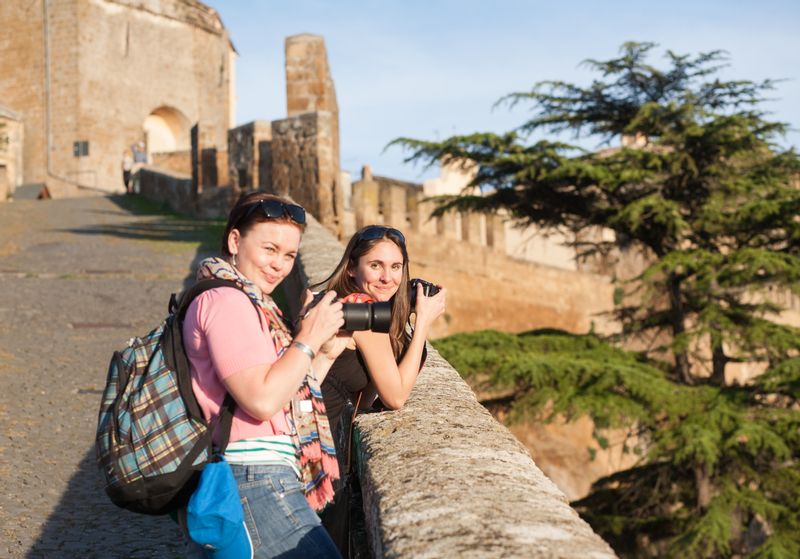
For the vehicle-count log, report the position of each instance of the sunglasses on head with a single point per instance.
(374, 232)
(274, 209)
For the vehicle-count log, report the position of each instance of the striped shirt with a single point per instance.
(277, 449)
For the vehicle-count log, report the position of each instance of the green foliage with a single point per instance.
(555, 373)
(732, 439)
(709, 195)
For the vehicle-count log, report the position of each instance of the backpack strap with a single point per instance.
(226, 420)
(179, 305)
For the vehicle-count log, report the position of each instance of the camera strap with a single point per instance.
(350, 434)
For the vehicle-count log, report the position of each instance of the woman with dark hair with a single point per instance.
(238, 344)
(374, 268)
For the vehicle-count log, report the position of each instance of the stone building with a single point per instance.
(90, 78)
(11, 138)
(297, 156)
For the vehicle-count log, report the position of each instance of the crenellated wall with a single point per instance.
(473, 255)
(442, 478)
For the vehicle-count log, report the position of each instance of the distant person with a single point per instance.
(127, 169)
(374, 268)
(139, 153)
(280, 449)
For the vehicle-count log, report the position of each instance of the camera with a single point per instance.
(428, 290)
(362, 316)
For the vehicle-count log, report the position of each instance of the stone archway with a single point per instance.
(167, 129)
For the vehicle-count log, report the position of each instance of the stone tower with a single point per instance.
(305, 146)
(92, 77)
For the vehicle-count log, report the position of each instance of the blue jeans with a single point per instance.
(281, 522)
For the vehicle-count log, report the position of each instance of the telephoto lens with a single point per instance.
(367, 316)
(362, 316)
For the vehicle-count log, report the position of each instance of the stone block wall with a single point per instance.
(297, 156)
(441, 478)
(178, 192)
(177, 161)
(309, 85)
(467, 254)
(11, 144)
(94, 70)
(250, 156)
(303, 167)
(22, 87)
(487, 289)
(62, 85)
(173, 190)
(310, 89)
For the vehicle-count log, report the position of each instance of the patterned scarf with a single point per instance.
(310, 430)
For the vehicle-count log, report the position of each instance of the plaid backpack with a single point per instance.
(152, 439)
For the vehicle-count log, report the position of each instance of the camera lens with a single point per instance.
(367, 316)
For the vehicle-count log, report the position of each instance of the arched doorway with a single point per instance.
(166, 129)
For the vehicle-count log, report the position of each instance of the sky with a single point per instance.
(430, 69)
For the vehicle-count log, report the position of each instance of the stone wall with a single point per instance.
(441, 478)
(95, 71)
(176, 161)
(165, 187)
(303, 167)
(487, 289)
(250, 156)
(310, 89)
(11, 142)
(22, 67)
(468, 254)
(297, 156)
(179, 192)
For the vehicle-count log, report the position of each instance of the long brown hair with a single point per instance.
(240, 219)
(341, 282)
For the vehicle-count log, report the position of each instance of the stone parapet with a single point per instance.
(166, 187)
(177, 191)
(442, 478)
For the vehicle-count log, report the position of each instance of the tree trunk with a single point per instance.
(718, 361)
(677, 320)
(703, 485)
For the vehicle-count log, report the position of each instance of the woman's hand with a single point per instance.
(334, 347)
(320, 323)
(429, 309)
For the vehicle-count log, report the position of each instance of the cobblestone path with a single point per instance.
(78, 278)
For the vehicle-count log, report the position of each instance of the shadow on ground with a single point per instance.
(162, 224)
(86, 525)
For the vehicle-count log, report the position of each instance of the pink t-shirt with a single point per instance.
(223, 334)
